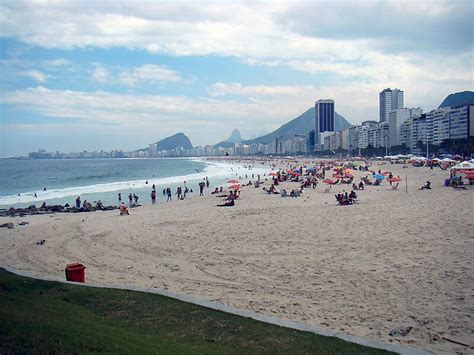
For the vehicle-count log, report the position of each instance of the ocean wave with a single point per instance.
(212, 170)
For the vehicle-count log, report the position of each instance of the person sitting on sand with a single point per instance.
(426, 186)
(227, 204)
(123, 210)
(352, 195)
(354, 186)
(216, 190)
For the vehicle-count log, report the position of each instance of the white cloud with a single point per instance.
(36, 75)
(100, 74)
(220, 89)
(202, 118)
(148, 73)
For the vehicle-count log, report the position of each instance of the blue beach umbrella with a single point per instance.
(379, 176)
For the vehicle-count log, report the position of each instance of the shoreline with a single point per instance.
(393, 259)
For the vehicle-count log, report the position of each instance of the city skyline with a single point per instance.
(116, 75)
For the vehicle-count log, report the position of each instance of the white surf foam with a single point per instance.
(212, 170)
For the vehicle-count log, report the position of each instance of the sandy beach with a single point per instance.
(394, 259)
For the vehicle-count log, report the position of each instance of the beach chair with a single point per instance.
(394, 187)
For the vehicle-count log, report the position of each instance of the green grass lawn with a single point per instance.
(40, 316)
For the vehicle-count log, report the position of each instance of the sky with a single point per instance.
(111, 74)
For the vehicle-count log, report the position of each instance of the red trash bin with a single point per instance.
(75, 272)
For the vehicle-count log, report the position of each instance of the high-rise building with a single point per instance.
(324, 121)
(396, 119)
(389, 100)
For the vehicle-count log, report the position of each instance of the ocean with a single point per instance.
(61, 181)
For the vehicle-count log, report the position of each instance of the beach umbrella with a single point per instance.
(394, 179)
(385, 173)
(273, 174)
(329, 182)
(348, 176)
(233, 181)
(379, 177)
(337, 176)
(234, 187)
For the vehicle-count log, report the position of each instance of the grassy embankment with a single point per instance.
(40, 317)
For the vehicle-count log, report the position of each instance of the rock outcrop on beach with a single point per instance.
(302, 124)
(33, 210)
(458, 99)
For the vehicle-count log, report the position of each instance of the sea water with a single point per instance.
(60, 181)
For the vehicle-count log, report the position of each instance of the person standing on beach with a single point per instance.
(207, 182)
(168, 192)
(130, 198)
(153, 197)
(135, 197)
(78, 202)
(119, 197)
(201, 188)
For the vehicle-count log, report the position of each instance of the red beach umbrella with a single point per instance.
(337, 176)
(234, 187)
(394, 179)
(348, 176)
(233, 181)
(329, 182)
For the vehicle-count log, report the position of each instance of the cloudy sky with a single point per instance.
(91, 75)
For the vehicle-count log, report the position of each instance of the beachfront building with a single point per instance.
(378, 135)
(324, 121)
(389, 100)
(437, 126)
(396, 118)
(345, 139)
(406, 134)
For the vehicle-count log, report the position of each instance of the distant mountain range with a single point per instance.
(300, 125)
(458, 99)
(235, 136)
(172, 142)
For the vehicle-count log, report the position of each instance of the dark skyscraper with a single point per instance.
(324, 119)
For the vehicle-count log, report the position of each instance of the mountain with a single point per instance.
(172, 142)
(300, 125)
(235, 137)
(458, 99)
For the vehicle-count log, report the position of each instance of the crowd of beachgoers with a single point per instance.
(350, 176)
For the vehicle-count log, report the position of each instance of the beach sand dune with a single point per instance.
(394, 259)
